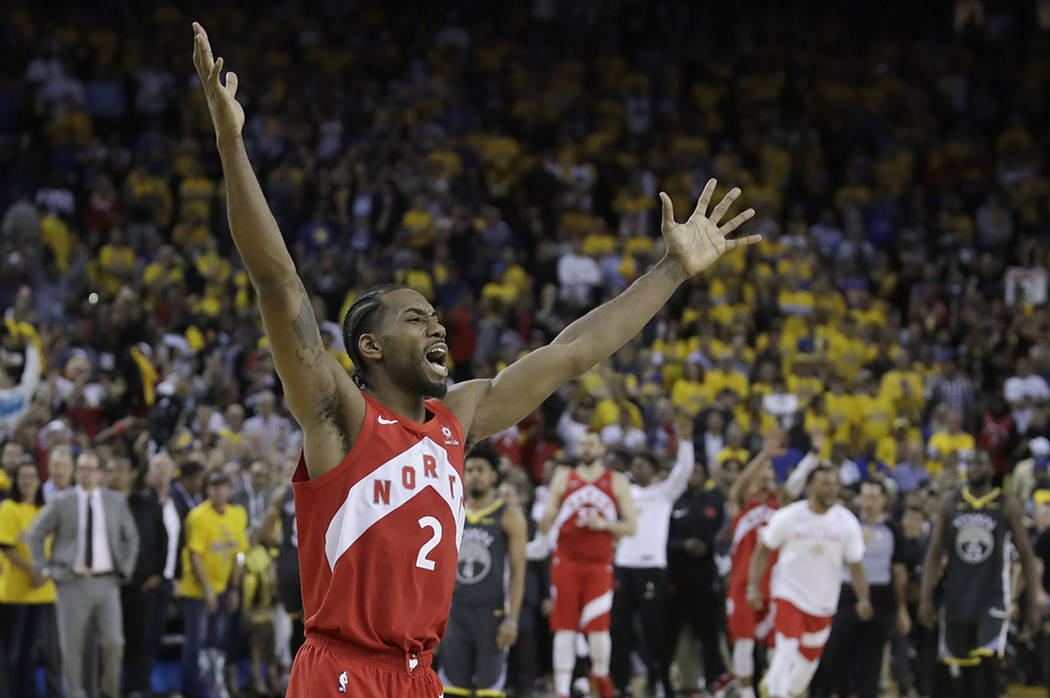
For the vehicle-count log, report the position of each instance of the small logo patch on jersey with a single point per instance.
(344, 679)
(449, 441)
(413, 662)
(387, 421)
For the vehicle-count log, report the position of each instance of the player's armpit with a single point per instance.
(318, 392)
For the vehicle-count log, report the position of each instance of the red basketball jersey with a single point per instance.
(746, 526)
(583, 499)
(379, 535)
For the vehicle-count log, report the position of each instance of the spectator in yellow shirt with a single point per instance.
(690, 391)
(903, 385)
(842, 409)
(891, 449)
(725, 376)
(216, 537)
(116, 263)
(734, 448)
(27, 599)
(877, 412)
(951, 441)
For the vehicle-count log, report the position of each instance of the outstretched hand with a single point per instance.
(697, 243)
(227, 116)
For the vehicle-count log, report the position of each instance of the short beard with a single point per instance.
(428, 388)
(983, 481)
(435, 389)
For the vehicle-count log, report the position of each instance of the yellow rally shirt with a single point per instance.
(217, 538)
(15, 520)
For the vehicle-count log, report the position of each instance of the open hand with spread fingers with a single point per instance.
(227, 116)
(697, 243)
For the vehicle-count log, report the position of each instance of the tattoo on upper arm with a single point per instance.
(311, 350)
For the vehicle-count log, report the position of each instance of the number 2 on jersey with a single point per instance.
(435, 525)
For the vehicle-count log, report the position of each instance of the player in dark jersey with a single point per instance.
(975, 530)
(490, 584)
(289, 592)
(378, 490)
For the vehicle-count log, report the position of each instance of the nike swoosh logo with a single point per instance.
(387, 421)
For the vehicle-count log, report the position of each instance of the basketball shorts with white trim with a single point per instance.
(812, 632)
(965, 643)
(582, 594)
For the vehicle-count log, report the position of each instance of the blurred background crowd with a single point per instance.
(507, 166)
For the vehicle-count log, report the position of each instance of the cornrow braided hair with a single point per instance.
(360, 319)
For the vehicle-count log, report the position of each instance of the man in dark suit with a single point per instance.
(149, 596)
(94, 550)
(188, 491)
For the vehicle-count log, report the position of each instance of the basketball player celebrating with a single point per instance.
(589, 508)
(753, 498)
(486, 604)
(378, 492)
(814, 538)
(976, 527)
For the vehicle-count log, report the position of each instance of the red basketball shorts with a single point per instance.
(582, 594)
(811, 631)
(327, 666)
(744, 622)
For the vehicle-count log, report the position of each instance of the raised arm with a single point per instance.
(796, 481)
(315, 386)
(559, 481)
(772, 447)
(490, 406)
(685, 459)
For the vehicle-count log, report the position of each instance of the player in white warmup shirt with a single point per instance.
(815, 537)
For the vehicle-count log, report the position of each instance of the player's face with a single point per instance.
(979, 471)
(825, 488)
(765, 480)
(413, 343)
(478, 476)
(591, 448)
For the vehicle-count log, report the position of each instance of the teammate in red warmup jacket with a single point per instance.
(378, 490)
(588, 508)
(753, 499)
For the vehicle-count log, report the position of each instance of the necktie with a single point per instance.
(89, 537)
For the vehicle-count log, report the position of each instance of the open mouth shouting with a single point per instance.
(435, 359)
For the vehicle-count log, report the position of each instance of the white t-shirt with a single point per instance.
(653, 505)
(813, 548)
